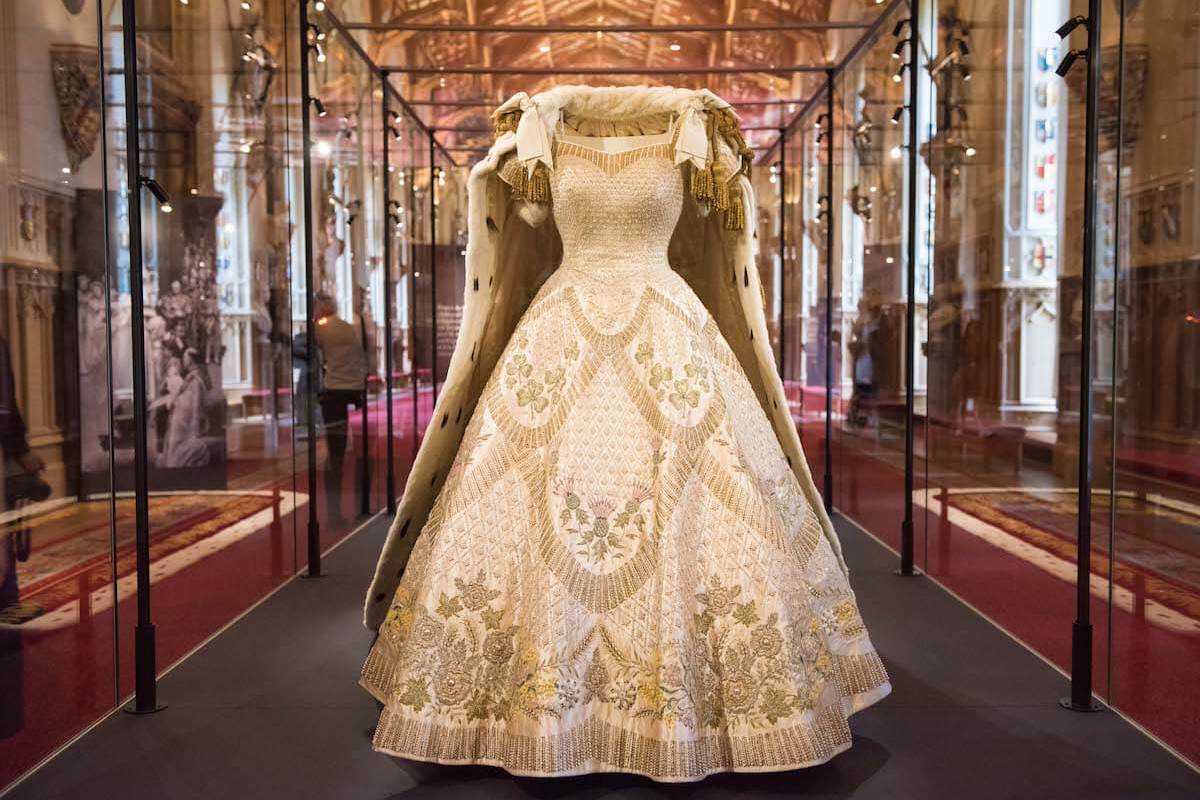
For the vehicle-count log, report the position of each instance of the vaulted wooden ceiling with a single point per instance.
(440, 97)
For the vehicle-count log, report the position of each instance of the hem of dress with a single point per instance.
(850, 705)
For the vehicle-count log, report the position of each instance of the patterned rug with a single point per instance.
(1148, 561)
(70, 552)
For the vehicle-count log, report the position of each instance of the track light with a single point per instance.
(961, 44)
(320, 53)
(318, 105)
(1070, 25)
(1069, 61)
(899, 48)
(969, 151)
(898, 76)
(160, 194)
(897, 114)
(319, 6)
(896, 152)
(965, 71)
(315, 34)
(322, 148)
(899, 26)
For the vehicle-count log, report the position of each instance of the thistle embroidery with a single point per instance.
(603, 530)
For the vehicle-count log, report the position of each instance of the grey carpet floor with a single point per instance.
(270, 709)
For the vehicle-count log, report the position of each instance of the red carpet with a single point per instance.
(1155, 656)
(69, 670)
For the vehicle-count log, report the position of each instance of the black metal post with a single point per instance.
(782, 244)
(412, 298)
(433, 260)
(829, 291)
(310, 319)
(389, 230)
(910, 312)
(365, 485)
(145, 699)
(1080, 698)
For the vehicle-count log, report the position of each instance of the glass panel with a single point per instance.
(1148, 374)
(1001, 422)
(219, 137)
(869, 288)
(63, 222)
(345, 221)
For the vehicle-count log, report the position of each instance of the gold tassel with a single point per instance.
(534, 188)
(702, 183)
(507, 121)
(537, 187)
(735, 214)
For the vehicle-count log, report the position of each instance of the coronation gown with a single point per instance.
(621, 572)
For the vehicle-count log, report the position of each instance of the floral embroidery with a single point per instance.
(459, 656)
(750, 679)
(646, 689)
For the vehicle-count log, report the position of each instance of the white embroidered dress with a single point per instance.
(621, 571)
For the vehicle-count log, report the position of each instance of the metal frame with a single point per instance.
(827, 495)
(433, 265)
(145, 699)
(389, 231)
(1080, 698)
(310, 321)
(539, 30)
(910, 277)
(747, 68)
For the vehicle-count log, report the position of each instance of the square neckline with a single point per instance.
(666, 137)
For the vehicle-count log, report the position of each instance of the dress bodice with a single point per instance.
(616, 210)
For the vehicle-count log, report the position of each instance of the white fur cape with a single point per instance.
(507, 260)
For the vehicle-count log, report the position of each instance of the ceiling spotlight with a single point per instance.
(970, 151)
(245, 5)
(320, 53)
(1069, 61)
(897, 114)
(160, 194)
(966, 73)
(319, 6)
(544, 48)
(899, 49)
(895, 152)
(322, 148)
(246, 147)
(319, 106)
(674, 47)
(1065, 29)
(899, 74)
(961, 44)
(899, 26)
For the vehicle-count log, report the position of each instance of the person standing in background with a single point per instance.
(344, 383)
